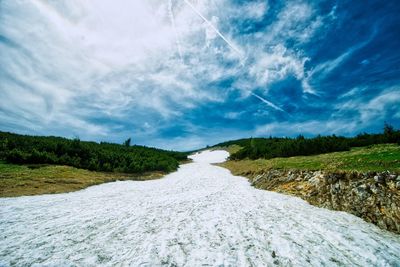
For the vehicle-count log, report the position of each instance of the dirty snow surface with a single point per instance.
(200, 215)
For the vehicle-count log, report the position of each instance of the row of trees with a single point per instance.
(254, 148)
(109, 157)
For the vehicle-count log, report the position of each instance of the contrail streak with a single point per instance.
(171, 16)
(267, 102)
(214, 28)
(272, 105)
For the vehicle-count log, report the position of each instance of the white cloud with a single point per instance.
(194, 141)
(276, 65)
(115, 54)
(72, 61)
(254, 10)
(371, 112)
(374, 109)
(310, 127)
(233, 115)
(366, 112)
(246, 10)
(273, 61)
(296, 20)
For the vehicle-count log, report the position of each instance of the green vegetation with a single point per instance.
(268, 148)
(105, 157)
(385, 157)
(24, 180)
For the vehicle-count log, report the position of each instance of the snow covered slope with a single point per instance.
(200, 215)
(216, 156)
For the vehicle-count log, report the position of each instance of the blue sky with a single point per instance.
(182, 74)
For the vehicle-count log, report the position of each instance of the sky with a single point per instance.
(183, 74)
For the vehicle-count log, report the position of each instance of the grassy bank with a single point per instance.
(373, 158)
(25, 180)
(363, 181)
(277, 147)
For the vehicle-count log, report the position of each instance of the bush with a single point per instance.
(17, 156)
(108, 157)
(268, 148)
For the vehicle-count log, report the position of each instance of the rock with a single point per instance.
(273, 254)
(390, 223)
(372, 196)
(382, 224)
(290, 177)
(335, 189)
(374, 189)
(256, 179)
(331, 178)
(379, 178)
(307, 176)
(361, 192)
(313, 193)
(299, 187)
(299, 178)
(314, 180)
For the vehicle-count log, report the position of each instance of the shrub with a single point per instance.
(88, 155)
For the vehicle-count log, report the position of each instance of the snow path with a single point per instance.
(200, 215)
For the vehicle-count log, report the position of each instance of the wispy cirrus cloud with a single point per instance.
(168, 71)
(371, 108)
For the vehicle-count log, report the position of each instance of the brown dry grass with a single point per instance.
(24, 180)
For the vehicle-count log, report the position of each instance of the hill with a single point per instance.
(31, 165)
(273, 147)
(364, 181)
(106, 157)
(375, 158)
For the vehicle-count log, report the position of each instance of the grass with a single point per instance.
(24, 180)
(374, 158)
(19, 180)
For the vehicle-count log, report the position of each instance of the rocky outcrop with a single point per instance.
(375, 197)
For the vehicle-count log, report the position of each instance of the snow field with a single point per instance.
(200, 215)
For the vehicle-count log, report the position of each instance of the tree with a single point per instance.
(127, 142)
(387, 128)
(388, 132)
(21, 149)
